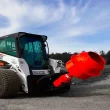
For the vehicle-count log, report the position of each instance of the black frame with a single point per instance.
(17, 35)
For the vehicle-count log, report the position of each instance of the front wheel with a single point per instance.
(9, 83)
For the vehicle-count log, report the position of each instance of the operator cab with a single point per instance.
(30, 47)
(33, 50)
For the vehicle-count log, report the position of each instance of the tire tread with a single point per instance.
(10, 83)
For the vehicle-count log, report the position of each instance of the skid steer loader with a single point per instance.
(25, 65)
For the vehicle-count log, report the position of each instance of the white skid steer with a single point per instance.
(25, 65)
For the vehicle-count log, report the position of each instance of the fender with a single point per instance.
(18, 65)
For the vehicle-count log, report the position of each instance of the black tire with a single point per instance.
(9, 83)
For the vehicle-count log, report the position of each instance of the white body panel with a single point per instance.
(20, 66)
(54, 64)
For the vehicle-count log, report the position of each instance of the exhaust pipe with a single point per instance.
(83, 66)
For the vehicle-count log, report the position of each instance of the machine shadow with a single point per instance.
(80, 89)
(24, 95)
(75, 91)
(85, 91)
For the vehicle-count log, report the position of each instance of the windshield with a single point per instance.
(33, 51)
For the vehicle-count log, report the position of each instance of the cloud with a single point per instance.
(63, 22)
(12, 11)
(26, 14)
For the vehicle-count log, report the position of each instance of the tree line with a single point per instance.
(65, 56)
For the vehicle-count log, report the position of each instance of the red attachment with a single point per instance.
(62, 79)
(83, 66)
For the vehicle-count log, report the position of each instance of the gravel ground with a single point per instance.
(86, 95)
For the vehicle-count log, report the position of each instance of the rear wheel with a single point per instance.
(9, 83)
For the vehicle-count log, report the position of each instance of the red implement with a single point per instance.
(83, 66)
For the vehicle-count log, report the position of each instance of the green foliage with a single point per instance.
(62, 56)
(66, 56)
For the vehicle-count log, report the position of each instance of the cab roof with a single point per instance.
(19, 34)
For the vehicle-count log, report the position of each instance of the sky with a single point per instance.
(71, 25)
